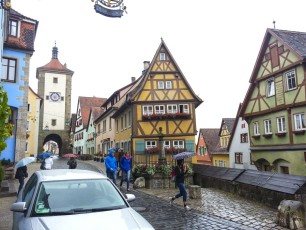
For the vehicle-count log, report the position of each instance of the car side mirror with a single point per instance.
(18, 207)
(130, 197)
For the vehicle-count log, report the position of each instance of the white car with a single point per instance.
(74, 199)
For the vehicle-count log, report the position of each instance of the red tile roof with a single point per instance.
(86, 103)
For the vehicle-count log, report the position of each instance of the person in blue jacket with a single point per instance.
(125, 165)
(111, 166)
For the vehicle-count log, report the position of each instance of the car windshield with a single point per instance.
(77, 196)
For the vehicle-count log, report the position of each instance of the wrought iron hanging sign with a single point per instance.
(110, 8)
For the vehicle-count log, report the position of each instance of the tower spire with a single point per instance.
(54, 52)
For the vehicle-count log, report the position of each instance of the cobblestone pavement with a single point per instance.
(217, 210)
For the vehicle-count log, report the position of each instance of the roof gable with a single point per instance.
(281, 50)
(160, 67)
(85, 105)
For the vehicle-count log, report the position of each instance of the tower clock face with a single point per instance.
(54, 96)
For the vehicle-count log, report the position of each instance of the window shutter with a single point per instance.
(190, 146)
(140, 147)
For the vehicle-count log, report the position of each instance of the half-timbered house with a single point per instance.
(162, 106)
(275, 104)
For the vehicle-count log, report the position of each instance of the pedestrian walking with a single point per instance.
(180, 172)
(72, 163)
(111, 166)
(125, 165)
(119, 156)
(21, 174)
(48, 162)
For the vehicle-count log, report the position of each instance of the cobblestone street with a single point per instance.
(217, 210)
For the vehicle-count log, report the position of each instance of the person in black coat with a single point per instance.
(180, 172)
(21, 174)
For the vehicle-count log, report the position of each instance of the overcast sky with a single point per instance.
(215, 43)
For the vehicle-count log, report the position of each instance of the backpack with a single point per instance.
(73, 164)
(173, 175)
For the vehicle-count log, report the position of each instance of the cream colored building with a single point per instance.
(34, 102)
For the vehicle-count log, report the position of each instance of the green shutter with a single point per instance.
(190, 146)
(140, 147)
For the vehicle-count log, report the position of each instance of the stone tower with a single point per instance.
(54, 86)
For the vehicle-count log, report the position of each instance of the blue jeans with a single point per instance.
(183, 192)
(112, 175)
(126, 175)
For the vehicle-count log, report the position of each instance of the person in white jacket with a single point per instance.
(48, 163)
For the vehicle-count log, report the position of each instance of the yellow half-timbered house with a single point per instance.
(161, 105)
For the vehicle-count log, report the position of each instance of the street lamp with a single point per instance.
(161, 157)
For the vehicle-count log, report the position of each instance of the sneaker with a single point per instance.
(128, 190)
(187, 208)
(171, 200)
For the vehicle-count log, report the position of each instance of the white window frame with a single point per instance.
(129, 118)
(172, 108)
(270, 87)
(151, 144)
(299, 121)
(168, 84)
(167, 144)
(268, 126)
(13, 28)
(183, 108)
(9, 69)
(256, 128)
(281, 125)
(238, 158)
(160, 84)
(159, 109)
(147, 110)
(291, 80)
(178, 144)
(162, 57)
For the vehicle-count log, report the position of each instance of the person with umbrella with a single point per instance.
(21, 174)
(180, 172)
(72, 163)
(22, 170)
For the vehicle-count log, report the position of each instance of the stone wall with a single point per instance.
(269, 197)
(157, 181)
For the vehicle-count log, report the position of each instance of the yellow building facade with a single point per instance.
(162, 105)
(34, 102)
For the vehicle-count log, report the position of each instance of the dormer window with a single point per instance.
(162, 56)
(13, 28)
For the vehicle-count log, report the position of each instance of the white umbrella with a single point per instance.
(25, 161)
(183, 155)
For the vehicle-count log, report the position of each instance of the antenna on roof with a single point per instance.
(274, 23)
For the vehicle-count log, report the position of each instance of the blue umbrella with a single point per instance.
(25, 161)
(183, 155)
(44, 155)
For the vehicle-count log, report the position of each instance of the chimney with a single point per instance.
(133, 79)
(146, 65)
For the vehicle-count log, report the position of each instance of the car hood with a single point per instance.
(121, 219)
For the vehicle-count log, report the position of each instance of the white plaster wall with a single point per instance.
(237, 146)
(54, 110)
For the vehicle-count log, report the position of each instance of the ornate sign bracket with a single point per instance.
(110, 8)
